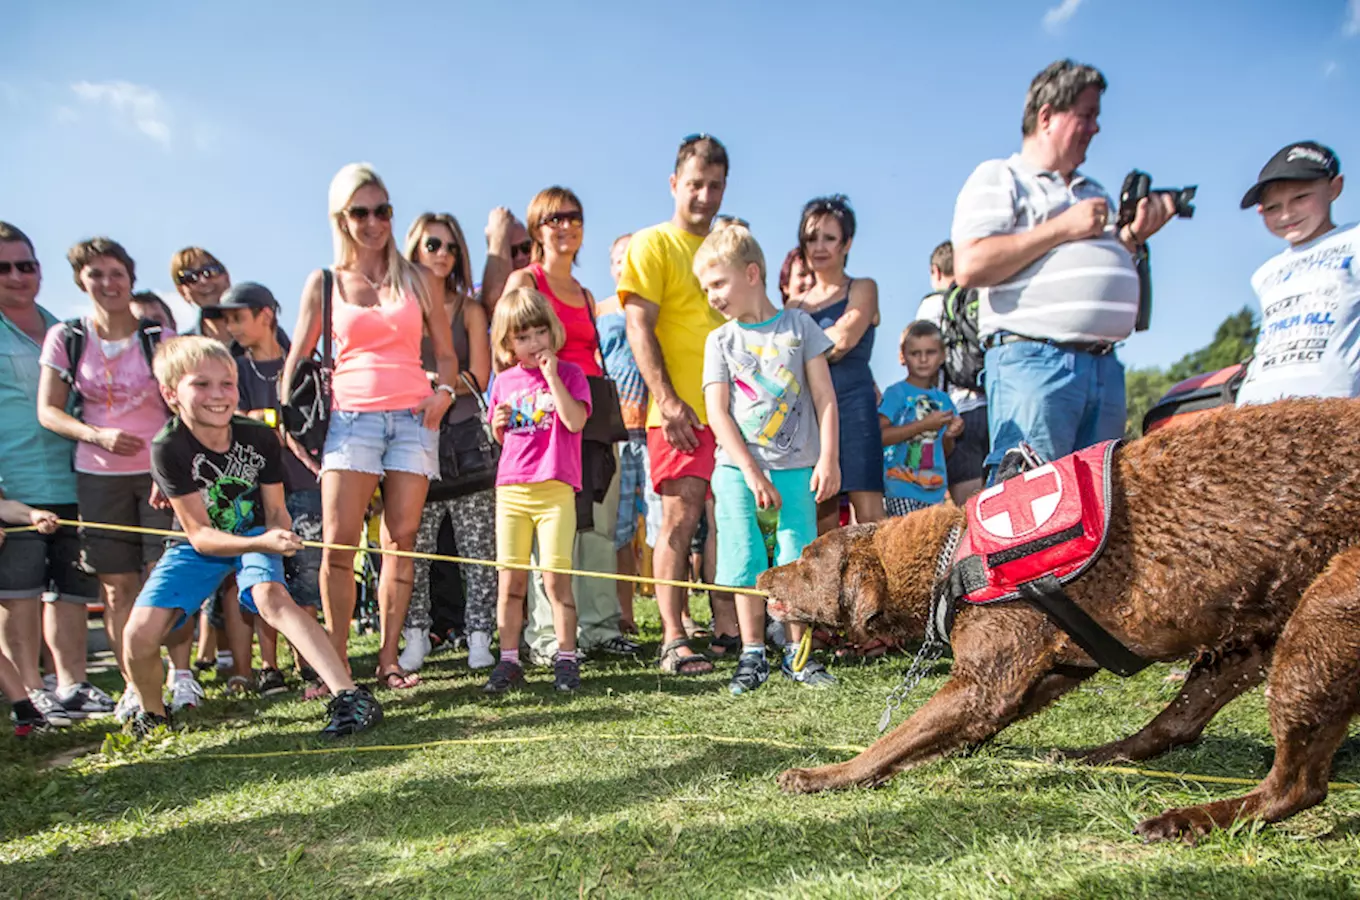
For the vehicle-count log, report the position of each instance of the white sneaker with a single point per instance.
(50, 707)
(185, 692)
(418, 644)
(479, 651)
(128, 706)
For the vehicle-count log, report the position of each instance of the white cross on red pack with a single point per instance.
(1020, 505)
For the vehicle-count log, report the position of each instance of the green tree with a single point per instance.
(1234, 340)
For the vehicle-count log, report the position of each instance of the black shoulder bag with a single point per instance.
(468, 452)
(307, 412)
(605, 423)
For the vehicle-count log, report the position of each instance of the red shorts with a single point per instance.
(669, 463)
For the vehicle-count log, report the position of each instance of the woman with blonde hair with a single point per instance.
(436, 242)
(384, 426)
(556, 223)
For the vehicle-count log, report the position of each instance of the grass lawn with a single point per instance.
(580, 796)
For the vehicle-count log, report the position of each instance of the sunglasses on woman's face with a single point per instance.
(434, 245)
(383, 212)
(23, 267)
(563, 218)
(192, 276)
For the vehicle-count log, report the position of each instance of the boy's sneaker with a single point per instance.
(352, 712)
(50, 708)
(27, 719)
(270, 683)
(185, 693)
(146, 722)
(50, 682)
(85, 701)
(814, 674)
(618, 646)
(128, 706)
(479, 651)
(412, 656)
(566, 674)
(505, 676)
(752, 671)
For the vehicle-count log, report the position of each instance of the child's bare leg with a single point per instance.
(240, 633)
(143, 634)
(277, 608)
(512, 592)
(558, 589)
(269, 644)
(207, 637)
(751, 618)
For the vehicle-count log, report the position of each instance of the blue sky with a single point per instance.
(164, 125)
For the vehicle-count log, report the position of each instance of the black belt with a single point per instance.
(1095, 348)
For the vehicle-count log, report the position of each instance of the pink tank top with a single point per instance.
(578, 323)
(377, 355)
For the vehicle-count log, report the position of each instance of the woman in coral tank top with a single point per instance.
(386, 413)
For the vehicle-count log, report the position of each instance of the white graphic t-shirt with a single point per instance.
(1309, 345)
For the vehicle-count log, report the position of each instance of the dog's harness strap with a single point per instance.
(1047, 595)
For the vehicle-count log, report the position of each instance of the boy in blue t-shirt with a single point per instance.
(918, 424)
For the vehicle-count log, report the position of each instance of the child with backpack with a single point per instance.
(919, 425)
(539, 404)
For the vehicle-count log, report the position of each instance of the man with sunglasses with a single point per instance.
(35, 465)
(507, 251)
(202, 280)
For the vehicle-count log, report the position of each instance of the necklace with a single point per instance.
(376, 285)
(258, 374)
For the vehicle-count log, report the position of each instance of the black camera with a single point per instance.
(1138, 184)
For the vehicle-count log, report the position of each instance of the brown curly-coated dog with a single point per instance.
(1232, 542)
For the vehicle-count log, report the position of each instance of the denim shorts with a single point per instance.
(637, 498)
(303, 569)
(378, 442)
(184, 579)
(1057, 401)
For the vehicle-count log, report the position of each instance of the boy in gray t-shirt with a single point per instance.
(772, 408)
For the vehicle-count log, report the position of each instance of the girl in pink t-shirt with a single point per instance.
(538, 407)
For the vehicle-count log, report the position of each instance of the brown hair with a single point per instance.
(518, 310)
(86, 252)
(190, 258)
(545, 203)
(786, 271)
(9, 234)
(837, 206)
(151, 298)
(942, 258)
(706, 148)
(1058, 86)
(459, 280)
(921, 328)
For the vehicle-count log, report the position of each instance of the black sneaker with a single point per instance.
(308, 674)
(505, 676)
(352, 712)
(270, 683)
(27, 719)
(566, 674)
(145, 722)
(753, 669)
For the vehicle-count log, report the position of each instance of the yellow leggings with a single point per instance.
(546, 509)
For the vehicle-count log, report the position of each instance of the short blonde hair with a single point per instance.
(517, 311)
(179, 356)
(731, 243)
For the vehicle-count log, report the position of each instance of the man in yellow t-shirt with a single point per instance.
(668, 322)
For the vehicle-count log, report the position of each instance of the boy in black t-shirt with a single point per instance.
(223, 475)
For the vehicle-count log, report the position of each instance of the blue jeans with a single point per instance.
(1057, 401)
(303, 569)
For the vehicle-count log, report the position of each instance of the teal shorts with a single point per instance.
(741, 547)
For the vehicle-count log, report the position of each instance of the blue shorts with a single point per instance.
(1058, 401)
(741, 547)
(378, 442)
(185, 579)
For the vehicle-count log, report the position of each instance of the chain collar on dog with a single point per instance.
(937, 636)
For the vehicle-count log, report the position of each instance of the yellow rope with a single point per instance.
(804, 651)
(722, 739)
(410, 554)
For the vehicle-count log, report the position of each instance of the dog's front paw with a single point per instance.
(803, 781)
(1186, 825)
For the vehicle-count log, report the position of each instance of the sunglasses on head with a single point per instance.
(434, 245)
(383, 212)
(564, 217)
(23, 267)
(696, 138)
(192, 276)
(523, 248)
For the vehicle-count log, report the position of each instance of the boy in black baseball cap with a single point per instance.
(1309, 343)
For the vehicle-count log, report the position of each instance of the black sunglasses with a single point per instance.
(565, 217)
(434, 244)
(191, 276)
(523, 247)
(23, 267)
(382, 211)
(697, 137)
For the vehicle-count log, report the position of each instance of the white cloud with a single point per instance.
(141, 107)
(1330, 68)
(1055, 16)
(1352, 26)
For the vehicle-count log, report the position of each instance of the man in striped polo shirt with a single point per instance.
(1059, 288)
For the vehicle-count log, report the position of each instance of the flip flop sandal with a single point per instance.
(694, 631)
(398, 679)
(725, 645)
(673, 662)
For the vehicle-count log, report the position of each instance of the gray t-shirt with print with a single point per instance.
(766, 366)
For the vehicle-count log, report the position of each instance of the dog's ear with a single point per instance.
(864, 586)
